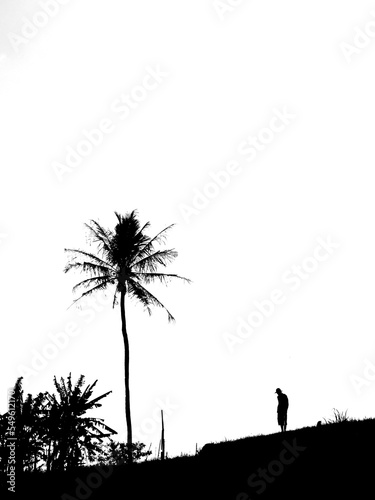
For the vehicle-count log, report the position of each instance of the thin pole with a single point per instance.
(162, 437)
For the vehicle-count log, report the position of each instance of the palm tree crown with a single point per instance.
(126, 258)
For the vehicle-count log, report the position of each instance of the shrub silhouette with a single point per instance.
(338, 417)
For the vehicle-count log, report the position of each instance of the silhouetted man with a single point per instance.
(282, 409)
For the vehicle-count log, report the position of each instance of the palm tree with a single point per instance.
(126, 258)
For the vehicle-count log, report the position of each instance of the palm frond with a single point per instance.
(158, 238)
(90, 267)
(101, 236)
(146, 298)
(92, 256)
(86, 283)
(151, 262)
(164, 278)
(100, 286)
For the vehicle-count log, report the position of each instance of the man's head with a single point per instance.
(278, 391)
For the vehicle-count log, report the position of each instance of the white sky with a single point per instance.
(226, 77)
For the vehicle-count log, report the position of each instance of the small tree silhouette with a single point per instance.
(117, 453)
(29, 440)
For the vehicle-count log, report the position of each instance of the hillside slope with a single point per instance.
(327, 462)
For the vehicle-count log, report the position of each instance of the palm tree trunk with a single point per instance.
(127, 390)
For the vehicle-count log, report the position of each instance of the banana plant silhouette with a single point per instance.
(72, 435)
(127, 259)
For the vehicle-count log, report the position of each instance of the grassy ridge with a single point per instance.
(331, 461)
